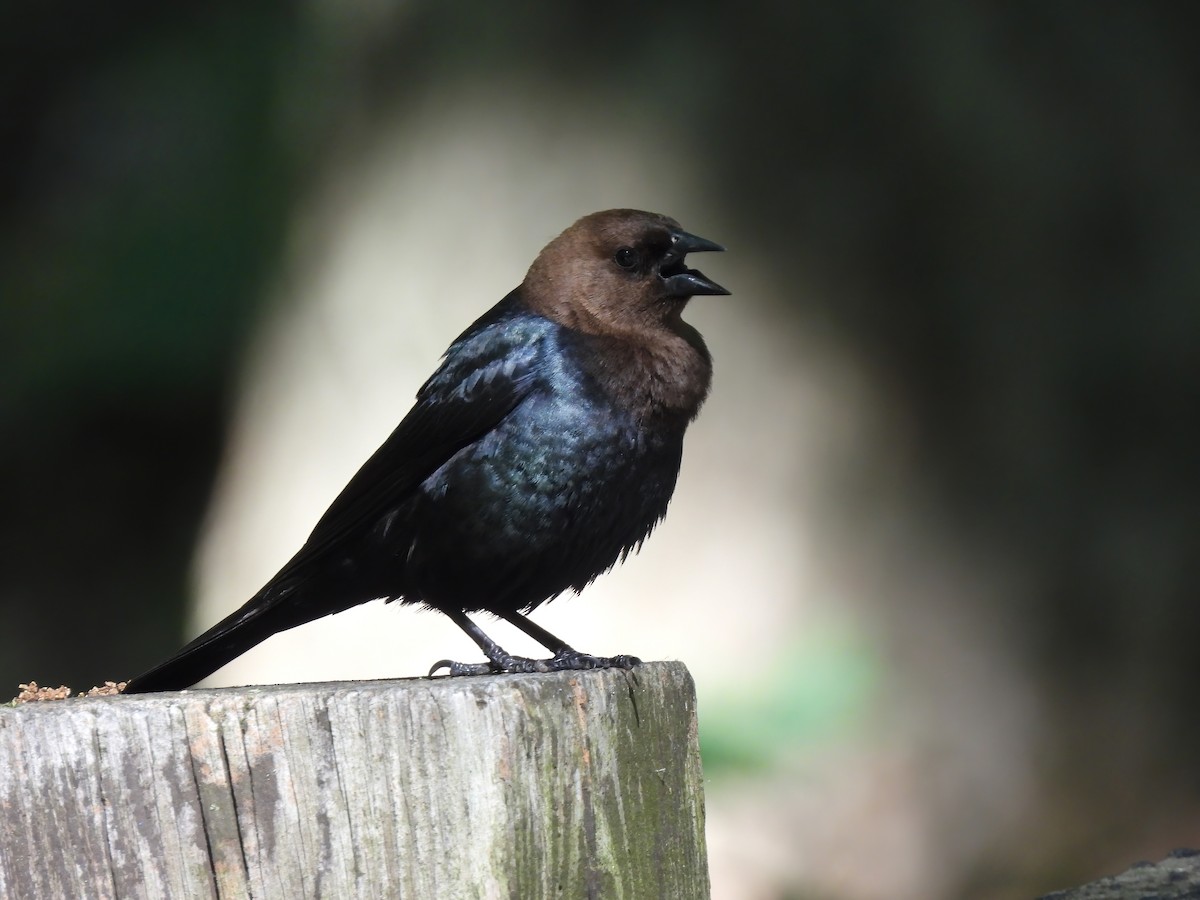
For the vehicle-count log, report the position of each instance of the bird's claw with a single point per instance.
(457, 668)
(505, 665)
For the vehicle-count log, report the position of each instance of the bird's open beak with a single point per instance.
(679, 279)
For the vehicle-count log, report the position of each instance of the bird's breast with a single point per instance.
(660, 379)
(546, 501)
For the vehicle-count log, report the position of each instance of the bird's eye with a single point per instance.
(628, 258)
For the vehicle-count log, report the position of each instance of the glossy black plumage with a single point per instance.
(544, 448)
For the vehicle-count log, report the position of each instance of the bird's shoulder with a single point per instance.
(512, 352)
(504, 348)
(486, 373)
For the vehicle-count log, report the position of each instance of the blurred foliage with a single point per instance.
(816, 695)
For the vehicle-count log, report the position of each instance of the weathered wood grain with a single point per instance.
(582, 784)
(1175, 878)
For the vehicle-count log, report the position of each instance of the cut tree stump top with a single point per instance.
(574, 784)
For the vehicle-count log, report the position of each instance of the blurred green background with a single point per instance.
(998, 206)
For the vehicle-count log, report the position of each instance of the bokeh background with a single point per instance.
(935, 552)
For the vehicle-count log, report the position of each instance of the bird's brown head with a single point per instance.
(618, 271)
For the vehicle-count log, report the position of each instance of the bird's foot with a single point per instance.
(564, 660)
(569, 659)
(501, 664)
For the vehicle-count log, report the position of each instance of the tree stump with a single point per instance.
(574, 784)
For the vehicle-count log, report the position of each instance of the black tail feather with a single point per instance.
(266, 613)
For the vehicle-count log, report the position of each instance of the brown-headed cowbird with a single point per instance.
(544, 449)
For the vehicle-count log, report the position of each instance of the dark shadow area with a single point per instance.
(144, 189)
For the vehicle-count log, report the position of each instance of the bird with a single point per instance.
(542, 451)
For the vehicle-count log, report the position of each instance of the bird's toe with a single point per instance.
(567, 660)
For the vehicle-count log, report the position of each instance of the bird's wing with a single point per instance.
(486, 372)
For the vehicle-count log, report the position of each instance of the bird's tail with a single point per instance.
(268, 612)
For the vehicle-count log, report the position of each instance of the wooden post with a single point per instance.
(576, 784)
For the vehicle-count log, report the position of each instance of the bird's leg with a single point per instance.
(499, 659)
(566, 656)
